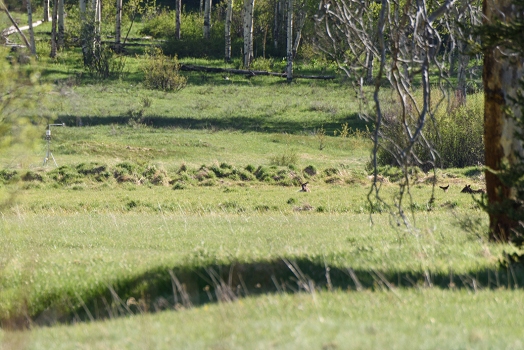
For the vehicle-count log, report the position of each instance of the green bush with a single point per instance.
(7, 176)
(160, 26)
(461, 134)
(65, 175)
(458, 138)
(288, 158)
(162, 72)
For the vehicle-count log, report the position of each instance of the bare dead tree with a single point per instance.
(404, 38)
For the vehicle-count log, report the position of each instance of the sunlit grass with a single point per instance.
(414, 319)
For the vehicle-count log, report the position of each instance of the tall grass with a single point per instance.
(455, 131)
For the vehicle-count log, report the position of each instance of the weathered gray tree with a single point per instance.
(404, 38)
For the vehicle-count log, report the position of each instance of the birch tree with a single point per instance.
(46, 10)
(249, 8)
(229, 18)
(54, 18)
(31, 31)
(118, 25)
(207, 19)
(289, 66)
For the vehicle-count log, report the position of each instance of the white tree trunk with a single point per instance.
(118, 25)
(60, 23)
(301, 20)
(178, 20)
(31, 32)
(98, 17)
(46, 10)
(289, 67)
(229, 17)
(53, 30)
(249, 7)
(369, 66)
(207, 19)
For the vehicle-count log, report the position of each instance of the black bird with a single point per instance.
(445, 188)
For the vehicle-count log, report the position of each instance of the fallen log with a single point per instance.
(249, 72)
(13, 29)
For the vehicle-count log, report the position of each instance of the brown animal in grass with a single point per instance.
(468, 189)
(304, 187)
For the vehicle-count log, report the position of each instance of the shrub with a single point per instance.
(289, 158)
(310, 170)
(160, 26)
(7, 176)
(32, 176)
(66, 175)
(458, 140)
(461, 134)
(162, 72)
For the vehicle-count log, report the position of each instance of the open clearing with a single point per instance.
(174, 220)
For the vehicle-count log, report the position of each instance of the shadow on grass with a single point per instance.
(185, 287)
(239, 123)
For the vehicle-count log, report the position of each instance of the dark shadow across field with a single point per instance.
(237, 123)
(185, 287)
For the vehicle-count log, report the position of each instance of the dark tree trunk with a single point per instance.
(501, 79)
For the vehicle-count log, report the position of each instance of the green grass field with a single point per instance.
(175, 220)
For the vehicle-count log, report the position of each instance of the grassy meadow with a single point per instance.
(175, 220)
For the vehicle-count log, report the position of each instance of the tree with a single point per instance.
(289, 66)
(178, 12)
(46, 10)
(229, 18)
(31, 32)
(249, 8)
(61, 27)
(53, 30)
(118, 24)
(19, 91)
(405, 38)
(503, 71)
(207, 19)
